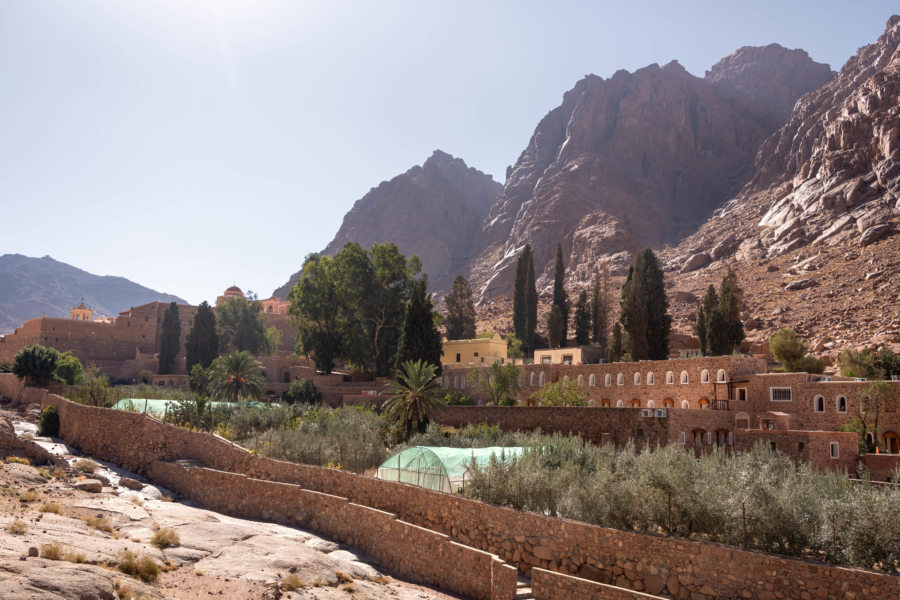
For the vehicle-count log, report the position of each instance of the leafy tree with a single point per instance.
(315, 306)
(241, 326)
(560, 298)
(513, 346)
(202, 343)
(169, 340)
(787, 349)
(49, 425)
(36, 364)
(869, 363)
(582, 320)
(302, 391)
(236, 377)
(555, 326)
(68, 369)
(617, 347)
(499, 381)
(413, 396)
(199, 379)
(461, 310)
(874, 399)
(600, 307)
(560, 394)
(645, 318)
(531, 302)
(419, 338)
(273, 341)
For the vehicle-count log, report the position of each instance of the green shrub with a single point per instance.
(454, 398)
(302, 392)
(49, 425)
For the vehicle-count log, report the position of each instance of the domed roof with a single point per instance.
(234, 290)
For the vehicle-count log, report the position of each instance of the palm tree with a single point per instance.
(413, 396)
(236, 377)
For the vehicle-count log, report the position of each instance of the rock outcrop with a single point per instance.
(638, 159)
(433, 211)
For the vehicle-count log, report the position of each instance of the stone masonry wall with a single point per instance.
(662, 566)
(413, 552)
(547, 585)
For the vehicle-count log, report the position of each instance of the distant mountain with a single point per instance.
(434, 211)
(31, 286)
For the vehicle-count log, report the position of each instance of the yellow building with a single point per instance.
(579, 355)
(477, 351)
(81, 312)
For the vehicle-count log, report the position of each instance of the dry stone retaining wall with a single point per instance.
(547, 585)
(642, 562)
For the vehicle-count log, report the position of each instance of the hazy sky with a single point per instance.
(189, 145)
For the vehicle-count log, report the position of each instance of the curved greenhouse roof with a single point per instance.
(439, 468)
(152, 405)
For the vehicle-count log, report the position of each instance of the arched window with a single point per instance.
(619, 404)
(605, 402)
(841, 404)
(592, 380)
(635, 403)
(704, 376)
(720, 376)
(819, 404)
(742, 421)
(607, 381)
(684, 377)
(581, 380)
(531, 379)
(685, 404)
(650, 404)
(462, 382)
(446, 380)
(704, 404)
(541, 379)
(699, 434)
(670, 378)
(650, 378)
(669, 403)
(620, 379)
(637, 378)
(456, 381)
(565, 381)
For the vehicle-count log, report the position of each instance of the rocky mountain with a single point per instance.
(813, 229)
(434, 211)
(31, 286)
(638, 159)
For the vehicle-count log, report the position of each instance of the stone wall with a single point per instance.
(547, 585)
(664, 566)
(599, 425)
(813, 447)
(881, 467)
(413, 552)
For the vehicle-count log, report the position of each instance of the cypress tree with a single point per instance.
(645, 317)
(582, 320)
(461, 310)
(731, 299)
(419, 337)
(520, 304)
(560, 298)
(202, 343)
(700, 330)
(169, 340)
(531, 301)
(600, 309)
(555, 326)
(616, 348)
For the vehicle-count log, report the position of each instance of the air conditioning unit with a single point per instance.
(824, 378)
(647, 412)
(860, 379)
(661, 412)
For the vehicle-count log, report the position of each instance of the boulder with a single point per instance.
(800, 284)
(131, 484)
(6, 428)
(696, 261)
(94, 486)
(683, 296)
(887, 171)
(724, 247)
(752, 324)
(873, 234)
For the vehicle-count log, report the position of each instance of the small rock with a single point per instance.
(873, 275)
(696, 261)
(771, 268)
(683, 296)
(752, 324)
(32, 551)
(873, 234)
(131, 484)
(800, 284)
(93, 486)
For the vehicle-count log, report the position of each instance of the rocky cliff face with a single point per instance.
(434, 211)
(635, 160)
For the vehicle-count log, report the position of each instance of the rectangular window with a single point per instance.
(545, 360)
(742, 394)
(682, 438)
(780, 394)
(709, 438)
(835, 450)
(800, 446)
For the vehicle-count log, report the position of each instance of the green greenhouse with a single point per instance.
(438, 468)
(152, 405)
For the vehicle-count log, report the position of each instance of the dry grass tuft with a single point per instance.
(17, 527)
(138, 565)
(165, 537)
(51, 507)
(291, 582)
(58, 473)
(343, 577)
(29, 495)
(86, 465)
(52, 551)
(18, 459)
(100, 523)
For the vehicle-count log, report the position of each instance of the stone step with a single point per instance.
(523, 589)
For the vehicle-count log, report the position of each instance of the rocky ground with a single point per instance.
(66, 534)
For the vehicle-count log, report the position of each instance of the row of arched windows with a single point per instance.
(721, 377)
(840, 404)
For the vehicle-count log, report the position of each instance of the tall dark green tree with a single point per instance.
(560, 298)
(707, 306)
(731, 300)
(600, 307)
(555, 327)
(582, 320)
(645, 309)
(617, 346)
(419, 336)
(531, 302)
(202, 344)
(169, 340)
(36, 364)
(241, 326)
(315, 308)
(520, 305)
(460, 321)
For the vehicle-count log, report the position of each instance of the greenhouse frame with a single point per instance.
(439, 468)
